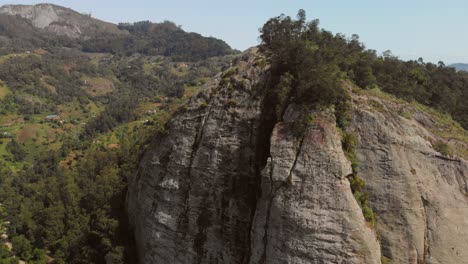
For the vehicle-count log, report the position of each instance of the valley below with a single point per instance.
(143, 143)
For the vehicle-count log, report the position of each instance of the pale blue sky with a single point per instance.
(434, 30)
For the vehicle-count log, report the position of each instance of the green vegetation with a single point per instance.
(357, 185)
(71, 200)
(166, 39)
(349, 143)
(64, 181)
(318, 61)
(307, 68)
(442, 125)
(404, 114)
(4, 91)
(385, 260)
(16, 150)
(443, 148)
(303, 65)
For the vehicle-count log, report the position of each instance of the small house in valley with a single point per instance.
(52, 118)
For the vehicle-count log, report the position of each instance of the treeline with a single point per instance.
(165, 39)
(308, 64)
(146, 38)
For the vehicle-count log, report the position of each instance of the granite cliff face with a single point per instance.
(227, 184)
(60, 20)
(419, 195)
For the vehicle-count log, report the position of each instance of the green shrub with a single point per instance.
(349, 143)
(357, 186)
(405, 114)
(376, 105)
(231, 72)
(369, 214)
(385, 260)
(443, 148)
(22, 247)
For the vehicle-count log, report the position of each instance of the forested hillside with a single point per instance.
(74, 118)
(22, 28)
(77, 113)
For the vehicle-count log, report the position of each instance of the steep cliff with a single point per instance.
(419, 195)
(228, 183)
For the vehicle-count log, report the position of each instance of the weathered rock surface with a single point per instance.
(195, 194)
(60, 20)
(307, 212)
(420, 196)
(228, 184)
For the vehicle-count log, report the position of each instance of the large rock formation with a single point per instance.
(60, 20)
(419, 195)
(229, 184)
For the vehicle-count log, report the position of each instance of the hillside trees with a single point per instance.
(302, 58)
(153, 39)
(317, 61)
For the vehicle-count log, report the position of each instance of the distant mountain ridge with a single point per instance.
(460, 66)
(26, 27)
(61, 21)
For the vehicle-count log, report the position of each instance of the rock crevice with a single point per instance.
(232, 183)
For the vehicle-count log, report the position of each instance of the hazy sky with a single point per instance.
(434, 30)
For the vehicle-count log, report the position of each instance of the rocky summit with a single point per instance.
(60, 20)
(227, 184)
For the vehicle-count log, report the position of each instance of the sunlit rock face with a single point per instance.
(60, 21)
(226, 183)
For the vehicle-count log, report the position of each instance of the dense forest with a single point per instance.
(165, 39)
(64, 178)
(144, 37)
(312, 61)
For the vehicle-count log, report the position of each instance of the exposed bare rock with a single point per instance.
(307, 212)
(195, 194)
(229, 184)
(61, 21)
(420, 196)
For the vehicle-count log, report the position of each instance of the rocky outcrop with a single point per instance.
(228, 183)
(195, 194)
(307, 212)
(61, 21)
(419, 195)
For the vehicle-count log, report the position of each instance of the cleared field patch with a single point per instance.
(27, 133)
(17, 55)
(97, 86)
(10, 120)
(149, 107)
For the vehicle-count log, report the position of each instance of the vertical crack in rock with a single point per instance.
(268, 122)
(426, 252)
(273, 192)
(296, 158)
(201, 221)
